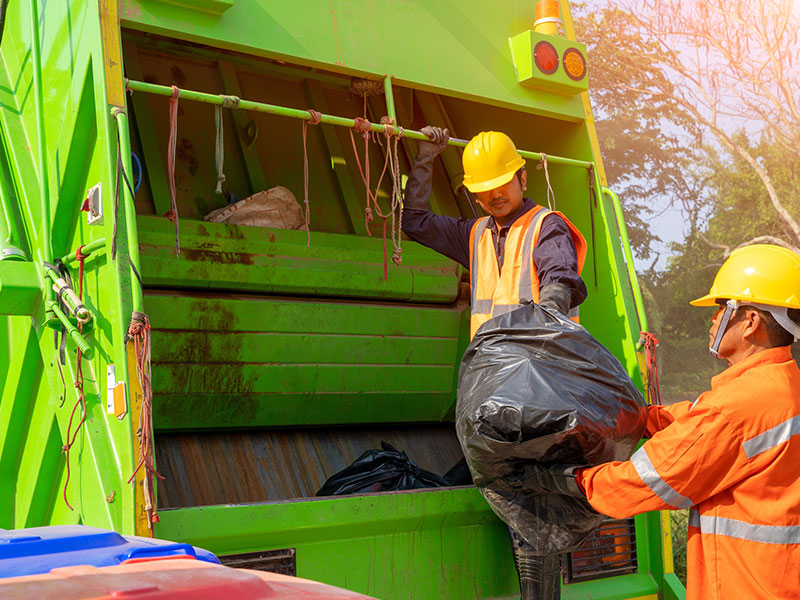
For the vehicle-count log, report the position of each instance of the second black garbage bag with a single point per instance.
(535, 386)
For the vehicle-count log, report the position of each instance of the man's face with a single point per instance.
(732, 339)
(503, 201)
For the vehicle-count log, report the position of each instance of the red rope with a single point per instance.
(362, 125)
(139, 333)
(315, 119)
(172, 215)
(81, 401)
(653, 390)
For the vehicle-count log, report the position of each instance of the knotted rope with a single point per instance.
(172, 215)
(227, 102)
(139, 334)
(550, 194)
(81, 401)
(314, 119)
(392, 158)
(652, 390)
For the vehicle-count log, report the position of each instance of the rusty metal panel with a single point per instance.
(265, 466)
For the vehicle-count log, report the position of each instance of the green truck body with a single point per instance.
(275, 361)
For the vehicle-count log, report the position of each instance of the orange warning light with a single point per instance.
(574, 64)
(548, 18)
(546, 57)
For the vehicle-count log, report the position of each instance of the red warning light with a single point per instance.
(574, 64)
(546, 57)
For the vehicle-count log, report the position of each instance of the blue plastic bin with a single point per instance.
(40, 549)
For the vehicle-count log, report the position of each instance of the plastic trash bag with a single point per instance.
(276, 207)
(380, 471)
(535, 386)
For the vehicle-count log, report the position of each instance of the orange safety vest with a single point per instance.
(732, 456)
(495, 293)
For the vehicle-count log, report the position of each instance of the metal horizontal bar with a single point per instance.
(89, 248)
(220, 100)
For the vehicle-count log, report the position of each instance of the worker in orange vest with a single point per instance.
(733, 455)
(520, 253)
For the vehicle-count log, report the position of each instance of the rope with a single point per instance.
(397, 194)
(219, 147)
(550, 193)
(121, 175)
(139, 334)
(315, 119)
(227, 102)
(652, 389)
(81, 401)
(172, 214)
(391, 160)
(592, 207)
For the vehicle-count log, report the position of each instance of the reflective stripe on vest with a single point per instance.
(772, 438)
(506, 296)
(764, 534)
(486, 306)
(647, 472)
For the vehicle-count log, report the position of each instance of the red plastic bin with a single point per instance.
(174, 578)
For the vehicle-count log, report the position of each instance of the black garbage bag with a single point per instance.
(535, 386)
(380, 471)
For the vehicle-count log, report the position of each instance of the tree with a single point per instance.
(645, 139)
(732, 66)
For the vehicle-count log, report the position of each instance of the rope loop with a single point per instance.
(388, 125)
(397, 256)
(230, 101)
(315, 116)
(176, 92)
(79, 255)
(362, 125)
(551, 196)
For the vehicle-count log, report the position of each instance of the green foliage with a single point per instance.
(645, 140)
(679, 524)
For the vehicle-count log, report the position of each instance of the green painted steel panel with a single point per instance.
(249, 259)
(465, 50)
(252, 329)
(233, 362)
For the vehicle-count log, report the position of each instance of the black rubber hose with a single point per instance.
(3, 6)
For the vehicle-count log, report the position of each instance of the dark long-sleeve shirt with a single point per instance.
(554, 255)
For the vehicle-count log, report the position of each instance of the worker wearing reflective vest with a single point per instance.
(733, 455)
(522, 252)
(519, 254)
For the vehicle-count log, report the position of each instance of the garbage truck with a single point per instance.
(170, 370)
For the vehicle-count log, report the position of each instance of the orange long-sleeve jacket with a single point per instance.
(733, 457)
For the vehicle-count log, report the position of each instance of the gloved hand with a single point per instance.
(559, 479)
(418, 187)
(438, 141)
(555, 297)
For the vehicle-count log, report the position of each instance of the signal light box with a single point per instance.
(549, 62)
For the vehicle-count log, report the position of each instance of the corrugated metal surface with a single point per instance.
(259, 466)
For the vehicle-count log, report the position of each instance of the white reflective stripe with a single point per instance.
(694, 518)
(764, 534)
(473, 275)
(501, 309)
(526, 279)
(651, 478)
(481, 307)
(772, 437)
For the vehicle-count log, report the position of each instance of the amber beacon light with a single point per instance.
(548, 18)
(574, 64)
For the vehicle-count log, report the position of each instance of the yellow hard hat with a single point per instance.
(490, 160)
(761, 274)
